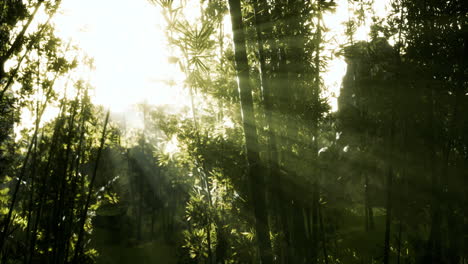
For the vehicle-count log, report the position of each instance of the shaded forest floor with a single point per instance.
(112, 251)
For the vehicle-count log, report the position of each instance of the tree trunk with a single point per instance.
(44, 182)
(6, 224)
(388, 217)
(322, 232)
(17, 42)
(78, 245)
(263, 24)
(13, 74)
(256, 180)
(315, 224)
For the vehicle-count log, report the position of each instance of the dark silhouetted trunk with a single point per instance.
(322, 232)
(84, 214)
(17, 43)
(256, 180)
(388, 217)
(6, 224)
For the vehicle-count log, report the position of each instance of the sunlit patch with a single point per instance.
(227, 122)
(28, 119)
(345, 149)
(129, 48)
(336, 66)
(132, 57)
(171, 146)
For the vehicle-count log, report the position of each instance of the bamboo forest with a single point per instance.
(234, 131)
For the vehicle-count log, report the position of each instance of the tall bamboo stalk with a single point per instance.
(84, 215)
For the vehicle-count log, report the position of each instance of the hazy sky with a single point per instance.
(127, 40)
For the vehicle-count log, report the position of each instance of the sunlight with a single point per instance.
(172, 146)
(124, 137)
(131, 55)
(126, 39)
(336, 68)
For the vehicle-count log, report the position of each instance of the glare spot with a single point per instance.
(227, 122)
(322, 150)
(172, 146)
(129, 54)
(338, 135)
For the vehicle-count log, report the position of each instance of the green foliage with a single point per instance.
(382, 180)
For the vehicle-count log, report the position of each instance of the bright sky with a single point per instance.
(127, 41)
(336, 69)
